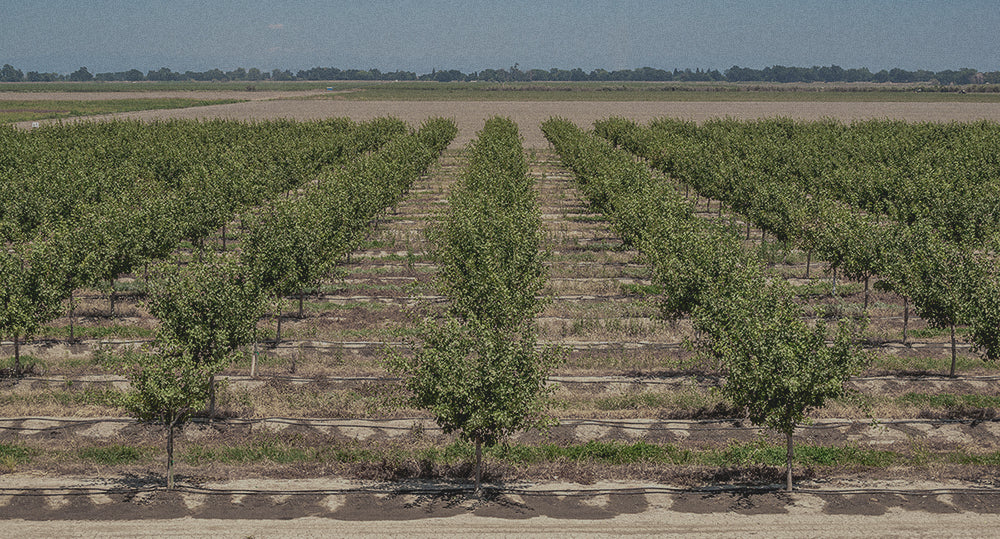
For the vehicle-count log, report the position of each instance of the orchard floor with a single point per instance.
(87, 507)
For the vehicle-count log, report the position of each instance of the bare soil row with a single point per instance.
(530, 114)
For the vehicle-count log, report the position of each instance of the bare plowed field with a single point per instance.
(529, 115)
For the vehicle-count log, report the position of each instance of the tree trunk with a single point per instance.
(809, 255)
(17, 355)
(748, 230)
(302, 294)
(790, 454)
(479, 464)
(170, 453)
(834, 293)
(223, 237)
(720, 208)
(687, 190)
(906, 317)
(953, 355)
(867, 278)
(71, 317)
(277, 338)
(111, 301)
(211, 398)
(253, 361)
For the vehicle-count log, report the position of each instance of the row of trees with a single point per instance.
(476, 367)
(776, 366)
(777, 73)
(90, 202)
(209, 310)
(291, 244)
(923, 249)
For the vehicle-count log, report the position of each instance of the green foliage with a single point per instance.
(489, 258)
(777, 368)
(11, 455)
(206, 310)
(916, 204)
(166, 388)
(483, 383)
(29, 291)
(112, 455)
(478, 371)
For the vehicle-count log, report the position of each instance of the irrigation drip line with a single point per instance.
(645, 425)
(696, 379)
(577, 346)
(565, 344)
(518, 491)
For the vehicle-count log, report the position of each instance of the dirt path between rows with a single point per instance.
(529, 115)
(36, 506)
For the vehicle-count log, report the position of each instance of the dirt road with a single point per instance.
(317, 507)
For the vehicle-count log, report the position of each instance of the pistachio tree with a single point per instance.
(29, 292)
(777, 367)
(167, 388)
(476, 368)
(943, 281)
(207, 312)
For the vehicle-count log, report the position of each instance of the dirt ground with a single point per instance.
(166, 94)
(529, 115)
(89, 507)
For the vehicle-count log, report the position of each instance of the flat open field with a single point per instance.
(470, 115)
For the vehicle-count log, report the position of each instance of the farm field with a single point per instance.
(470, 115)
(628, 376)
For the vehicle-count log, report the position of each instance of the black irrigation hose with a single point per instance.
(313, 344)
(651, 380)
(519, 491)
(647, 425)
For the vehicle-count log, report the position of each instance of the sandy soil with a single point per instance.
(529, 115)
(88, 507)
(175, 94)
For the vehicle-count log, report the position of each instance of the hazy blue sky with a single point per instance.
(470, 35)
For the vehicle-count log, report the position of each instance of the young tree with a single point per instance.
(207, 311)
(776, 367)
(166, 389)
(283, 249)
(483, 383)
(866, 250)
(943, 280)
(29, 292)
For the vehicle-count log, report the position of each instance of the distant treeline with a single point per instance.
(776, 73)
